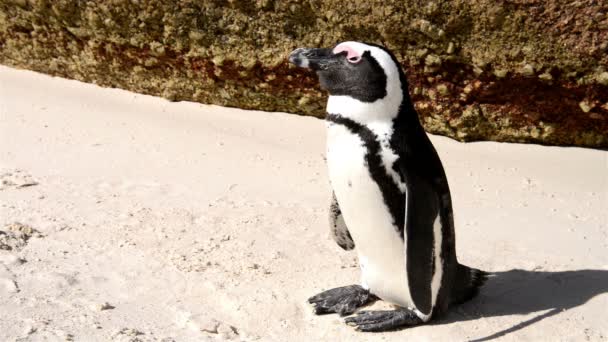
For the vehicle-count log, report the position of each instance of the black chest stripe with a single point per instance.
(392, 195)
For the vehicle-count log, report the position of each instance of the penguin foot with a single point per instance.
(376, 321)
(342, 300)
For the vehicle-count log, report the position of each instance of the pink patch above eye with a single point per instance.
(351, 54)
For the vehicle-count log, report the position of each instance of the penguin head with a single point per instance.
(356, 75)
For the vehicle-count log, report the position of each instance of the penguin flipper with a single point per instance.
(339, 231)
(421, 214)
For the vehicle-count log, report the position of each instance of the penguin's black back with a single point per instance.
(460, 283)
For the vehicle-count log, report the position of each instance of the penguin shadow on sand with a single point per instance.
(518, 292)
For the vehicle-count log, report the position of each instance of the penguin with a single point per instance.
(391, 201)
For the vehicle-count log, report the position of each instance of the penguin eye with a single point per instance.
(354, 59)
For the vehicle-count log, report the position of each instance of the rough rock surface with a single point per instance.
(517, 70)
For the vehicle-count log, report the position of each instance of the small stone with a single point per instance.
(218, 60)
(535, 133)
(480, 62)
(430, 69)
(196, 35)
(602, 78)
(157, 48)
(420, 53)
(304, 100)
(431, 8)
(443, 89)
(16, 235)
(129, 332)
(500, 73)
(545, 76)
(432, 60)
(451, 48)
(585, 106)
(103, 306)
(527, 70)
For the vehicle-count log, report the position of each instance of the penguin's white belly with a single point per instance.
(377, 241)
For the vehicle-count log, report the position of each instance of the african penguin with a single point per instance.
(391, 200)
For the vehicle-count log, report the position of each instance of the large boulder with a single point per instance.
(506, 70)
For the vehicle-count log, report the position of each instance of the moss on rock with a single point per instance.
(513, 70)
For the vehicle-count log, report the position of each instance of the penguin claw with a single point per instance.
(376, 321)
(342, 300)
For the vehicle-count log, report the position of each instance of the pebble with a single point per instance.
(603, 78)
(546, 77)
(585, 106)
(432, 60)
(500, 73)
(127, 334)
(527, 70)
(103, 306)
(451, 48)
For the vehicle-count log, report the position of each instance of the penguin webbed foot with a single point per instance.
(385, 320)
(341, 300)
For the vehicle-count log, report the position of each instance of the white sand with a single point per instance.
(197, 222)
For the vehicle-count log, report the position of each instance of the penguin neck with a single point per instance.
(361, 112)
(395, 108)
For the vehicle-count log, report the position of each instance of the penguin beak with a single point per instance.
(315, 59)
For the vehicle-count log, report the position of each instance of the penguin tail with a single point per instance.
(467, 283)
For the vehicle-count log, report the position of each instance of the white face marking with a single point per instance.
(381, 109)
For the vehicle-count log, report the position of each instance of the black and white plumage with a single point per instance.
(391, 197)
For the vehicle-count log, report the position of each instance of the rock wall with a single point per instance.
(516, 70)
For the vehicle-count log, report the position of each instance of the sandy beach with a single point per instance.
(126, 217)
